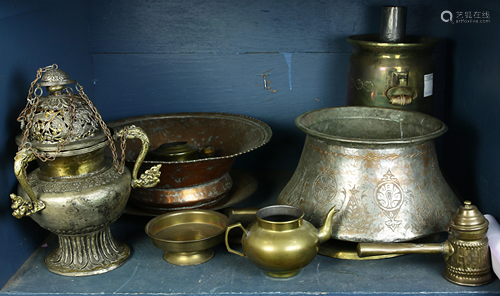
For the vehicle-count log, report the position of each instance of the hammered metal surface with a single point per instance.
(186, 184)
(379, 167)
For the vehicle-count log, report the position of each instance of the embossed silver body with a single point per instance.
(79, 209)
(77, 191)
(379, 167)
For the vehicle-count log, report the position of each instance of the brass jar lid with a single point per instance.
(175, 151)
(469, 220)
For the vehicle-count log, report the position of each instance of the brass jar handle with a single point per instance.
(227, 240)
(20, 206)
(150, 177)
(400, 94)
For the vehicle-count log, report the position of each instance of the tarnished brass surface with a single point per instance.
(281, 242)
(76, 165)
(151, 176)
(24, 207)
(76, 192)
(379, 166)
(348, 250)
(187, 236)
(391, 74)
(174, 151)
(466, 250)
(231, 135)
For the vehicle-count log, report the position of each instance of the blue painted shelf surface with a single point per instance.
(147, 273)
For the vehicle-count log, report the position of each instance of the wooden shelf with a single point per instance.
(147, 273)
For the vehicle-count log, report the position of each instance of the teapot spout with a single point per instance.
(325, 231)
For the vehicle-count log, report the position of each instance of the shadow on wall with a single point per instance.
(471, 110)
(18, 236)
(15, 104)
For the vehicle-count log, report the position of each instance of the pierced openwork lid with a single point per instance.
(62, 121)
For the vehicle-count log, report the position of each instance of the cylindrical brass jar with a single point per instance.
(470, 263)
(394, 75)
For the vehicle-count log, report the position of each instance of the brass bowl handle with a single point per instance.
(21, 206)
(150, 177)
(227, 240)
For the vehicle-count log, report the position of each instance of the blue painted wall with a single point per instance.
(34, 34)
(144, 57)
(173, 56)
(471, 155)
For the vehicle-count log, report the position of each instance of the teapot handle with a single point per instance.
(227, 241)
(21, 206)
(150, 177)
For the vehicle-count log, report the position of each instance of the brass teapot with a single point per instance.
(466, 250)
(77, 191)
(267, 242)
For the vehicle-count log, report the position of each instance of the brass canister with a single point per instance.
(466, 251)
(394, 75)
(470, 263)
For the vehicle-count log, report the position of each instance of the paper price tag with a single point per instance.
(428, 84)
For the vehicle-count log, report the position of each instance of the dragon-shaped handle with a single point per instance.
(150, 177)
(21, 206)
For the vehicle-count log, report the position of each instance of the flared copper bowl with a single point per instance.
(190, 184)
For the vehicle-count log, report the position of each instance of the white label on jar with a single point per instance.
(428, 84)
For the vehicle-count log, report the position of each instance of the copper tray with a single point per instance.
(191, 184)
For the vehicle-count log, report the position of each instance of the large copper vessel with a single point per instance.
(379, 167)
(192, 183)
(76, 192)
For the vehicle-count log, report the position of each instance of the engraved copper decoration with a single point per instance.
(192, 183)
(466, 251)
(379, 166)
(76, 192)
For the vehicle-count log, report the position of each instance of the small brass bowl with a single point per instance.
(187, 237)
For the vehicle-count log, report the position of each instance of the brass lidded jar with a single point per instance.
(391, 69)
(77, 191)
(394, 75)
(466, 251)
(470, 263)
